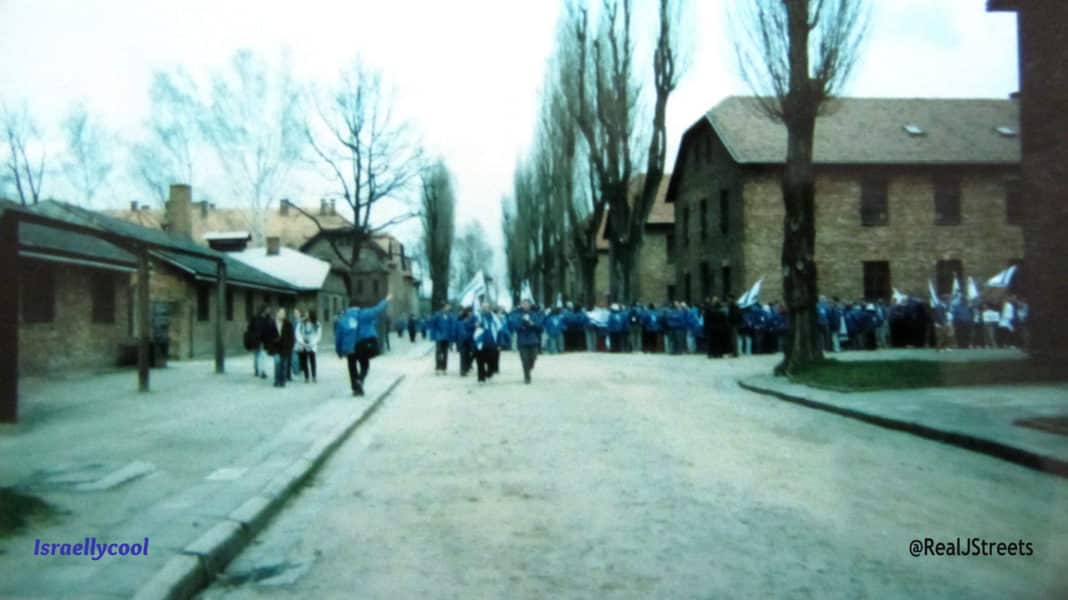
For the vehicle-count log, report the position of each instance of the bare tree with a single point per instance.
(371, 156)
(605, 95)
(88, 163)
(26, 157)
(438, 218)
(252, 123)
(472, 254)
(796, 55)
(165, 155)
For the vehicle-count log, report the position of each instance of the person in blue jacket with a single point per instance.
(528, 338)
(356, 338)
(617, 328)
(504, 336)
(441, 334)
(486, 333)
(650, 321)
(554, 332)
(465, 339)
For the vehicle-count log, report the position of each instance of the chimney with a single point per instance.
(283, 207)
(323, 207)
(179, 210)
(133, 206)
(273, 243)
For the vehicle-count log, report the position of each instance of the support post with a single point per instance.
(220, 316)
(9, 319)
(143, 320)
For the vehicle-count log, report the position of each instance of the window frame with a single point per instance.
(954, 197)
(877, 188)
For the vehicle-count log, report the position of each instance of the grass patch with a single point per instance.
(16, 510)
(866, 376)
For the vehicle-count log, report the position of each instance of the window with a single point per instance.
(1013, 206)
(669, 245)
(704, 218)
(724, 211)
(873, 209)
(203, 302)
(725, 278)
(687, 288)
(229, 303)
(945, 272)
(876, 280)
(102, 292)
(706, 279)
(947, 200)
(685, 226)
(38, 292)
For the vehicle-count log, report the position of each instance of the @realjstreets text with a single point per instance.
(91, 548)
(973, 546)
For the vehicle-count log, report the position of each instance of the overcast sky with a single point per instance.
(467, 72)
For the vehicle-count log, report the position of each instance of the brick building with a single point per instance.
(654, 280)
(383, 268)
(182, 293)
(906, 190)
(1042, 34)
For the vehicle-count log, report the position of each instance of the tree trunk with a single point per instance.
(798, 247)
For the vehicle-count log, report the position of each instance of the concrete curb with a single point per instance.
(1013, 454)
(187, 573)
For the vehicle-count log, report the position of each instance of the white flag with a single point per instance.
(598, 317)
(475, 288)
(898, 297)
(559, 300)
(973, 290)
(931, 290)
(525, 292)
(1002, 279)
(750, 297)
(955, 296)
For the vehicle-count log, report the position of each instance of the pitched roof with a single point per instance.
(49, 243)
(661, 213)
(873, 131)
(293, 228)
(295, 268)
(201, 265)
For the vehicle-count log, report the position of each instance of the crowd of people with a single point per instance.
(717, 328)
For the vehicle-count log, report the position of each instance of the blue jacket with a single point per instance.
(528, 333)
(617, 321)
(504, 336)
(674, 319)
(441, 327)
(651, 320)
(356, 324)
(464, 331)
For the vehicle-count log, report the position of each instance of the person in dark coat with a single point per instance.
(259, 327)
(411, 328)
(528, 332)
(280, 340)
(734, 323)
(718, 329)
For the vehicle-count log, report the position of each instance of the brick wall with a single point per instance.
(910, 241)
(72, 340)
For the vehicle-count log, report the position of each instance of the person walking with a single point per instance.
(487, 353)
(411, 328)
(294, 358)
(258, 328)
(465, 339)
(308, 335)
(356, 339)
(280, 340)
(528, 340)
(441, 334)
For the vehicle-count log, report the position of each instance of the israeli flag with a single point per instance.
(750, 297)
(1002, 279)
(475, 289)
(973, 290)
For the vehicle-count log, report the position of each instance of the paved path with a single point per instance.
(640, 477)
(169, 465)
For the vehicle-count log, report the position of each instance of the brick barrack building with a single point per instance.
(906, 190)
